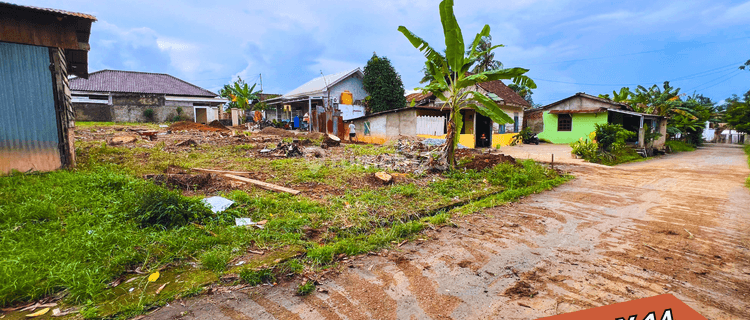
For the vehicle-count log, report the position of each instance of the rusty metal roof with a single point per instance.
(49, 10)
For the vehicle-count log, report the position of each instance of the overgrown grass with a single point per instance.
(679, 146)
(89, 124)
(75, 231)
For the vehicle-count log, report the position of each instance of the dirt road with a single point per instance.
(678, 224)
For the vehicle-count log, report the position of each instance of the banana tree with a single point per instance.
(451, 81)
(239, 94)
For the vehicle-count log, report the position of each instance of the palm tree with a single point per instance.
(452, 82)
(486, 60)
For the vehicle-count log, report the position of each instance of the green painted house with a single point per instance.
(575, 117)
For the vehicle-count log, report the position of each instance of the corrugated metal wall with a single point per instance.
(28, 126)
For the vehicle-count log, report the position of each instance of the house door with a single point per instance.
(201, 115)
(483, 133)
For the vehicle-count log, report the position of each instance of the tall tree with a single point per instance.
(383, 84)
(738, 113)
(524, 92)
(452, 82)
(486, 61)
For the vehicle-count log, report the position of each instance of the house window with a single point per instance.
(564, 122)
(515, 122)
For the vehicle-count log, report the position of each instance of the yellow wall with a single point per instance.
(466, 140)
(502, 139)
(370, 139)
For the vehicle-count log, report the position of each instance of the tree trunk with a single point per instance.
(449, 148)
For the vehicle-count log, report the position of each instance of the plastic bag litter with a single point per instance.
(218, 204)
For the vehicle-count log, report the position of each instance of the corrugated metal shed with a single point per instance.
(29, 137)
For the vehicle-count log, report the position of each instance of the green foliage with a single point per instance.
(450, 78)
(168, 209)
(240, 95)
(256, 277)
(650, 135)
(606, 145)
(523, 91)
(215, 260)
(179, 111)
(306, 288)
(679, 146)
(486, 60)
(747, 151)
(524, 135)
(612, 137)
(148, 114)
(383, 84)
(738, 113)
(586, 149)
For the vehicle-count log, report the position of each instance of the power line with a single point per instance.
(634, 53)
(720, 82)
(686, 77)
(724, 76)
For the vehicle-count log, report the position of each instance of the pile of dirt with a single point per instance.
(480, 161)
(192, 183)
(271, 131)
(218, 125)
(189, 125)
(521, 289)
(315, 135)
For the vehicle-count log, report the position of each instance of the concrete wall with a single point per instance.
(92, 112)
(353, 84)
(130, 108)
(582, 126)
(534, 121)
(387, 126)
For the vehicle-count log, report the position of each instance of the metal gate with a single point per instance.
(28, 126)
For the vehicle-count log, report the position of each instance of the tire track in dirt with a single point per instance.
(611, 235)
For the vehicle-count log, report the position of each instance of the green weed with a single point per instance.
(306, 288)
(256, 277)
(679, 146)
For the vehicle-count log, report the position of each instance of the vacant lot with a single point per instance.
(89, 238)
(678, 224)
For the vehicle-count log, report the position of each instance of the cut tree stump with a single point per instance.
(263, 185)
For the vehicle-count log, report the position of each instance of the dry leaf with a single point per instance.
(38, 313)
(130, 280)
(261, 222)
(161, 288)
(153, 277)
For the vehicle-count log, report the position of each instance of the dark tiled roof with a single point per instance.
(137, 82)
(507, 94)
(57, 11)
(418, 97)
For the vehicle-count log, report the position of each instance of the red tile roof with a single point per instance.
(504, 92)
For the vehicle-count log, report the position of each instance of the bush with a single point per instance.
(612, 137)
(168, 209)
(679, 146)
(586, 149)
(148, 114)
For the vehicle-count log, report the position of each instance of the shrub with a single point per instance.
(168, 209)
(679, 146)
(179, 111)
(612, 137)
(586, 149)
(149, 114)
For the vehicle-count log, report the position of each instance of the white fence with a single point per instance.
(431, 125)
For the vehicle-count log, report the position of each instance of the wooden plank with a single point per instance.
(263, 185)
(237, 173)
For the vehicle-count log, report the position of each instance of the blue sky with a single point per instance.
(569, 46)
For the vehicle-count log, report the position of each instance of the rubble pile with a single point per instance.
(284, 149)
